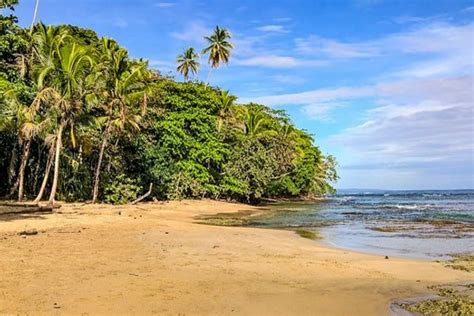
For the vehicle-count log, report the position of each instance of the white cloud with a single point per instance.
(421, 123)
(163, 66)
(273, 28)
(193, 32)
(121, 23)
(277, 61)
(320, 111)
(316, 45)
(445, 40)
(468, 9)
(315, 96)
(289, 79)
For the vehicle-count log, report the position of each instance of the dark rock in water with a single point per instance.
(353, 213)
(386, 257)
(29, 232)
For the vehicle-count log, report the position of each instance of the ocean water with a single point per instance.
(416, 224)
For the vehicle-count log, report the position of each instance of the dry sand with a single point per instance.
(152, 259)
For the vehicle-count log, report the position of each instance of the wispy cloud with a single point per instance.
(316, 45)
(315, 96)
(273, 28)
(162, 65)
(120, 23)
(165, 5)
(468, 9)
(193, 32)
(289, 79)
(277, 61)
(436, 38)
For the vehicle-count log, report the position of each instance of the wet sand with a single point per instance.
(153, 259)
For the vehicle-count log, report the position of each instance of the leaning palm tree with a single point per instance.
(219, 48)
(187, 63)
(62, 89)
(122, 97)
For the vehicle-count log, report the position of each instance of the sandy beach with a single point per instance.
(154, 259)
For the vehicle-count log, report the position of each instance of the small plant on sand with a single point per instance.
(309, 234)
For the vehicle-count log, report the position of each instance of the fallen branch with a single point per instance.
(144, 196)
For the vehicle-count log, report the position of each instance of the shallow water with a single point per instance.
(416, 224)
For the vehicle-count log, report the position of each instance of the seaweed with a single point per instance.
(450, 302)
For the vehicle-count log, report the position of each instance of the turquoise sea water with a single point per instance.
(418, 224)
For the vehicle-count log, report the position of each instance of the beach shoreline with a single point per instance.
(153, 258)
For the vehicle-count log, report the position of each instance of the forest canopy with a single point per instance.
(82, 120)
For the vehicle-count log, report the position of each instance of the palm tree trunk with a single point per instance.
(21, 176)
(208, 76)
(45, 178)
(95, 192)
(11, 170)
(37, 170)
(56, 165)
(35, 13)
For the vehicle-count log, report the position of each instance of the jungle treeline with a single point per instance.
(81, 120)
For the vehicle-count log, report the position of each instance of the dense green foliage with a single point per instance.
(80, 120)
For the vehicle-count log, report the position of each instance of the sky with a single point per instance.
(385, 86)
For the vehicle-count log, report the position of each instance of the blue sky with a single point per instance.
(385, 86)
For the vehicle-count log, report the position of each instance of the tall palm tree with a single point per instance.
(187, 63)
(62, 89)
(122, 98)
(219, 48)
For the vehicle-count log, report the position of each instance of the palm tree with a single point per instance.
(46, 42)
(123, 97)
(62, 89)
(254, 122)
(187, 63)
(219, 48)
(225, 102)
(25, 121)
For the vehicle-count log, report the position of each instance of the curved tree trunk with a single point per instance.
(37, 170)
(209, 75)
(45, 178)
(95, 192)
(21, 176)
(56, 165)
(35, 13)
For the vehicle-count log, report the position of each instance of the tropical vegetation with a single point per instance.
(82, 120)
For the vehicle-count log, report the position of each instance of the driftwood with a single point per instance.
(19, 204)
(144, 196)
(21, 208)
